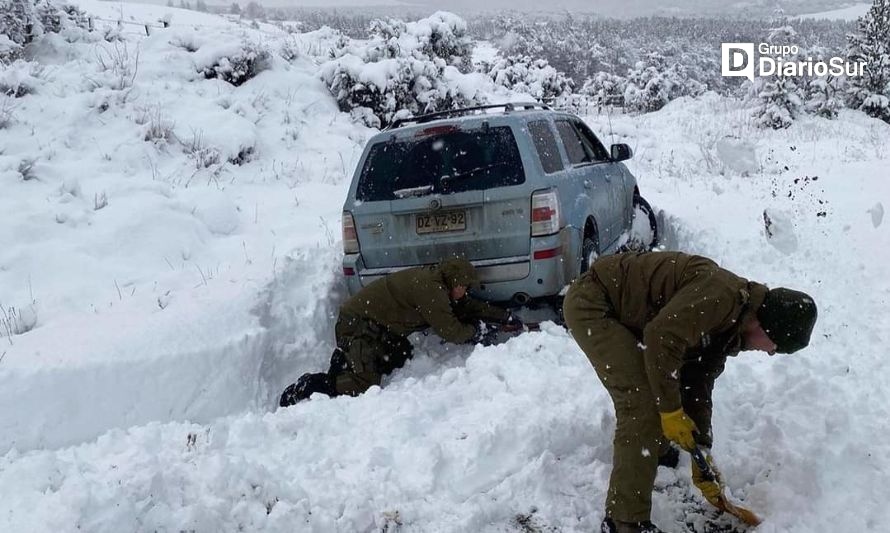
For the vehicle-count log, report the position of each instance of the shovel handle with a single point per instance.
(707, 473)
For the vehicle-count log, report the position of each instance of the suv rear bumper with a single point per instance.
(552, 263)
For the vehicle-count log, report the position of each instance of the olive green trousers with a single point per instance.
(369, 350)
(617, 357)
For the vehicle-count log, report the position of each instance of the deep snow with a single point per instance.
(166, 322)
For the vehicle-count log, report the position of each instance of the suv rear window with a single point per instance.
(453, 161)
(545, 144)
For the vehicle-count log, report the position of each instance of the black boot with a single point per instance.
(670, 458)
(306, 386)
(617, 526)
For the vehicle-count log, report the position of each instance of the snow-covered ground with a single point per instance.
(845, 13)
(169, 298)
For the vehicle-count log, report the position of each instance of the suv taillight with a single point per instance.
(350, 237)
(545, 213)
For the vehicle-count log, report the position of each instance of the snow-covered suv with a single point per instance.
(528, 194)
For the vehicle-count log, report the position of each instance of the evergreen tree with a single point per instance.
(253, 10)
(779, 103)
(871, 91)
(235, 9)
(778, 98)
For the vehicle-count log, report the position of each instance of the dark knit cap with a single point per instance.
(458, 271)
(788, 318)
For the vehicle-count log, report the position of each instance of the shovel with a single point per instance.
(745, 515)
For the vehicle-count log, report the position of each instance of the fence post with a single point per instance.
(147, 30)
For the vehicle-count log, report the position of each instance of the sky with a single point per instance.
(615, 8)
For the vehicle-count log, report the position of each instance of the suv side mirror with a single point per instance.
(621, 152)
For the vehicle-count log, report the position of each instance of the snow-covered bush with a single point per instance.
(526, 75)
(16, 19)
(605, 89)
(290, 49)
(23, 21)
(188, 41)
(404, 69)
(20, 78)
(871, 91)
(653, 82)
(235, 64)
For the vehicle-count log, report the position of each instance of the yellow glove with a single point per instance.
(679, 428)
(711, 490)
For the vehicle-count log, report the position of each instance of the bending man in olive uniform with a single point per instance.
(373, 327)
(657, 328)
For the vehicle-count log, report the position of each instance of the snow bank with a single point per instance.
(153, 207)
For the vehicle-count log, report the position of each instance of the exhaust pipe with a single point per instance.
(521, 298)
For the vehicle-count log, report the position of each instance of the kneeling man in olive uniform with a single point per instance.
(373, 327)
(657, 328)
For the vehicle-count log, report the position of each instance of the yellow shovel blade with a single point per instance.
(741, 513)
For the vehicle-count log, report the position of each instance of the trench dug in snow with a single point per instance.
(214, 374)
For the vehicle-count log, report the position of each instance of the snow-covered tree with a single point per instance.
(822, 96)
(235, 9)
(778, 98)
(253, 10)
(534, 77)
(404, 69)
(871, 91)
(778, 102)
(200, 5)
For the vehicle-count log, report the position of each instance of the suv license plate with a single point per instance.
(440, 222)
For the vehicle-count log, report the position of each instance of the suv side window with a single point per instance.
(578, 151)
(599, 151)
(545, 144)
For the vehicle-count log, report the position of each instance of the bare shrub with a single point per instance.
(185, 41)
(158, 129)
(117, 65)
(204, 156)
(16, 321)
(7, 106)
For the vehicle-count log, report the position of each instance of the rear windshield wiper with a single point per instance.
(471, 172)
(423, 190)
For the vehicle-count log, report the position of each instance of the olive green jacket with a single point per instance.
(688, 313)
(417, 298)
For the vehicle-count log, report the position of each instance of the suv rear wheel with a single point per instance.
(644, 230)
(589, 252)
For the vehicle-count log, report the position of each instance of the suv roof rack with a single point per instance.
(451, 113)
